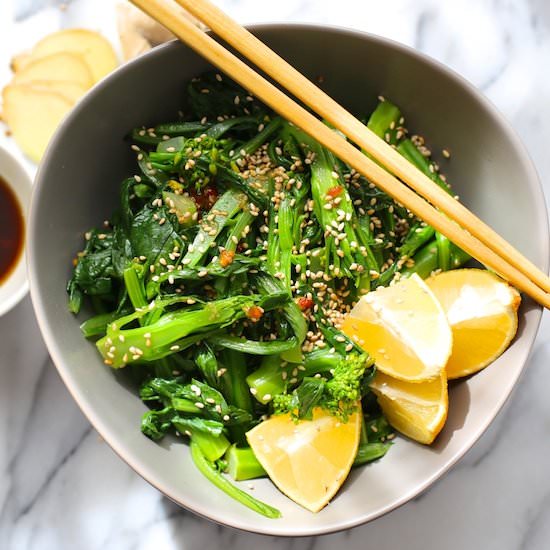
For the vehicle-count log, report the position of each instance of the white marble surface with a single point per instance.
(61, 487)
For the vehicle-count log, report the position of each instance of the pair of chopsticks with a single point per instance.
(430, 203)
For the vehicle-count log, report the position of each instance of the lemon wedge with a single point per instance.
(404, 328)
(417, 410)
(482, 311)
(307, 460)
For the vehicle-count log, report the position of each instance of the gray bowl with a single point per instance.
(77, 187)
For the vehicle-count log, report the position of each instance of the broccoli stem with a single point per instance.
(384, 119)
(268, 285)
(234, 388)
(233, 384)
(216, 477)
(122, 346)
(242, 464)
(321, 360)
(206, 361)
(259, 139)
(363, 438)
(253, 347)
(443, 251)
(211, 446)
(267, 381)
(171, 129)
(184, 405)
(426, 260)
(285, 230)
(238, 230)
(97, 325)
(410, 151)
(223, 210)
(134, 287)
(417, 237)
(273, 243)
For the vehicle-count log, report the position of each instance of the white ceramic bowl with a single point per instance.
(16, 285)
(88, 159)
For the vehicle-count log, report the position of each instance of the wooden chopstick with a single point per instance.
(214, 52)
(302, 88)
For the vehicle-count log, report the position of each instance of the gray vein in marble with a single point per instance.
(51, 475)
(18, 449)
(53, 425)
(537, 519)
(537, 531)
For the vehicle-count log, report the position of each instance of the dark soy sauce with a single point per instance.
(12, 230)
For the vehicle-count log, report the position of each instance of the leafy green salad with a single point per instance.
(222, 280)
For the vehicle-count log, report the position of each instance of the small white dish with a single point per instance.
(15, 286)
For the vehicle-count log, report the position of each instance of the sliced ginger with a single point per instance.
(93, 49)
(33, 116)
(49, 80)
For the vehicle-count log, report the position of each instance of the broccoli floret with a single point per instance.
(346, 387)
(339, 395)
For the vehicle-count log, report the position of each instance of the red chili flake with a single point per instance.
(333, 192)
(226, 257)
(254, 313)
(205, 198)
(305, 303)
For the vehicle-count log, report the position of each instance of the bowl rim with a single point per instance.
(21, 186)
(540, 211)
